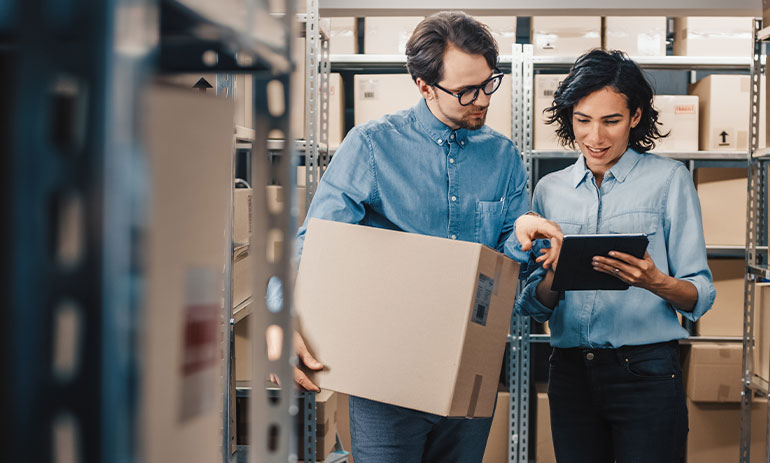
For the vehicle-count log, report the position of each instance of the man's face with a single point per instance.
(461, 70)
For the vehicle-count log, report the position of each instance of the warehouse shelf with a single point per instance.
(762, 154)
(546, 338)
(759, 270)
(726, 251)
(220, 36)
(242, 310)
(763, 34)
(759, 385)
(681, 155)
(660, 62)
(376, 62)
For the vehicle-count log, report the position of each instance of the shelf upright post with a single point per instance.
(273, 417)
(755, 231)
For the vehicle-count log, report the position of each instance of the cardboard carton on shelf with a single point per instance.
(713, 36)
(678, 115)
(565, 35)
(380, 291)
(712, 372)
(635, 35)
(722, 195)
(725, 318)
(724, 112)
(388, 35)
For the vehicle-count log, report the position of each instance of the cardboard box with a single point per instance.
(635, 35)
(678, 115)
(343, 36)
(343, 423)
(241, 275)
(565, 35)
(243, 94)
(428, 312)
(336, 116)
(385, 35)
(188, 137)
(379, 94)
(713, 372)
(544, 452)
(326, 409)
(241, 215)
(545, 135)
(499, 440)
(715, 432)
(724, 101)
(500, 109)
(762, 330)
(503, 29)
(242, 352)
(726, 315)
(713, 36)
(722, 194)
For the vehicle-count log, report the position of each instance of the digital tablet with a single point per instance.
(575, 270)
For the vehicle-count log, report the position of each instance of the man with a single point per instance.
(434, 169)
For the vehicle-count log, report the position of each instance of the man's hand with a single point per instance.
(531, 227)
(274, 339)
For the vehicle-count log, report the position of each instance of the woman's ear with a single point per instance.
(637, 116)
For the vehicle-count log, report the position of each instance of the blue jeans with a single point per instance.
(382, 433)
(623, 405)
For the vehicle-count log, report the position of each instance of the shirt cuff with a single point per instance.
(706, 296)
(528, 304)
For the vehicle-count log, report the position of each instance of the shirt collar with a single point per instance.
(438, 132)
(619, 171)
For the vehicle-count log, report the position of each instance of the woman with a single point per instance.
(615, 386)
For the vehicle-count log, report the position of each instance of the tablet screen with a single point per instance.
(575, 270)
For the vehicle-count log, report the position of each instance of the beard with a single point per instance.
(469, 122)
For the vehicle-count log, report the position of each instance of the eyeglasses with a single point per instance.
(469, 95)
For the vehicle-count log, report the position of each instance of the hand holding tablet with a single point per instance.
(575, 270)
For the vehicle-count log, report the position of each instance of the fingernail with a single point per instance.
(612, 253)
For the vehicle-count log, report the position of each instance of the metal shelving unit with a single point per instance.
(99, 56)
(756, 255)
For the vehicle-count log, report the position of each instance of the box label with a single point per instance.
(368, 89)
(483, 297)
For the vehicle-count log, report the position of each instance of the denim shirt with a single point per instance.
(641, 193)
(408, 171)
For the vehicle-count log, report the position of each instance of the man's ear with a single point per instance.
(427, 91)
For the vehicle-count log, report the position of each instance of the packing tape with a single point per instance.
(474, 397)
(723, 392)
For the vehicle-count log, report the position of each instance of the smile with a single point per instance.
(596, 150)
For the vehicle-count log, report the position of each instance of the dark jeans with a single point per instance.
(382, 433)
(623, 405)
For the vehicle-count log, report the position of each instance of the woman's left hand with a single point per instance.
(636, 272)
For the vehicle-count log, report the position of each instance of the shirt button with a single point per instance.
(452, 136)
(454, 237)
(590, 356)
(454, 198)
(451, 160)
(439, 141)
(462, 143)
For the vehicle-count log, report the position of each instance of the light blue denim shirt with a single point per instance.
(408, 171)
(641, 193)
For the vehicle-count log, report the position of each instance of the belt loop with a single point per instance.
(620, 356)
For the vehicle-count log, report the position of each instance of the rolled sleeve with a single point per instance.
(687, 259)
(528, 304)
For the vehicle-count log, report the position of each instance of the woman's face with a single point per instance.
(601, 122)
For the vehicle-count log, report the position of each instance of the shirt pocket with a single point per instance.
(489, 222)
(570, 228)
(640, 221)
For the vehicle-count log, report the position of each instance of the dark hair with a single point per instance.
(425, 48)
(594, 71)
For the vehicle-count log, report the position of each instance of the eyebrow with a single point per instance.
(457, 89)
(609, 116)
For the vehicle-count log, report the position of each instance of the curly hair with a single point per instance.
(594, 71)
(425, 48)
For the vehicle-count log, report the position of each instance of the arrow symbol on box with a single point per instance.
(724, 136)
(202, 85)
